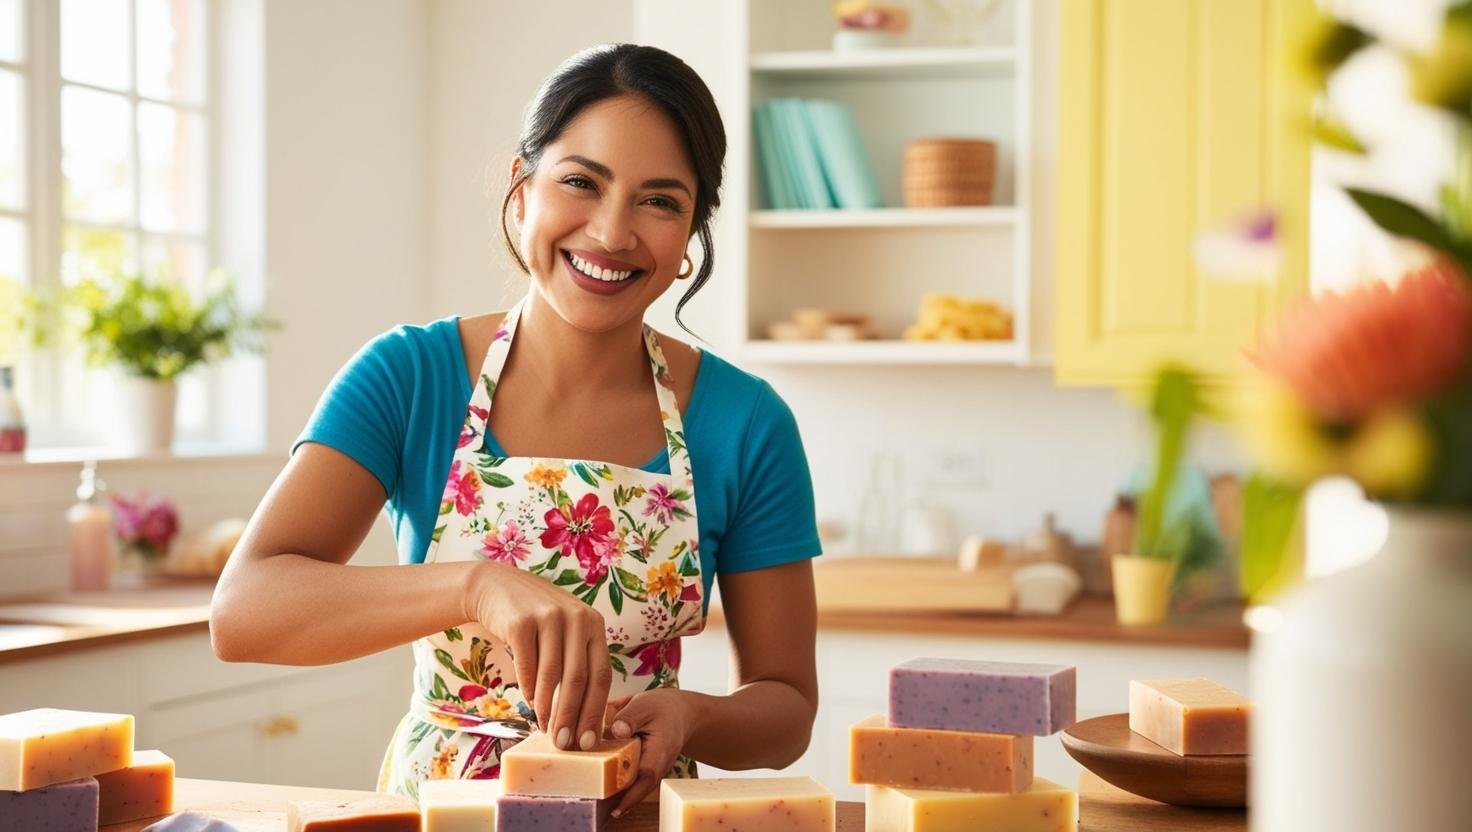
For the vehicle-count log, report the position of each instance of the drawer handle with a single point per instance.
(278, 725)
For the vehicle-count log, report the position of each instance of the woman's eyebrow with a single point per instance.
(604, 171)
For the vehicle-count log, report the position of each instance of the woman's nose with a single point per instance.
(612, 226)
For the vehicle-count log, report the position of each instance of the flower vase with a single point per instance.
(144, 420)
(1362, 681)
(1141, 588)
(137, 567)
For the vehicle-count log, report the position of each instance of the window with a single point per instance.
(106, 166)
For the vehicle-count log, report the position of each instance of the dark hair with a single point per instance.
(653, 74)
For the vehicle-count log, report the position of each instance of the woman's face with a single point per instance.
(606, 216)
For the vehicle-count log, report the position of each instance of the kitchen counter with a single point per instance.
(261, 808)
(52, 624)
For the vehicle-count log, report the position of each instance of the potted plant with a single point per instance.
(155, 329)
(1167, 545)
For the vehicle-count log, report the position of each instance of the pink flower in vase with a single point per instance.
(146, 523)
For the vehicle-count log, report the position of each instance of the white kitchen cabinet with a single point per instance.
(853, 669)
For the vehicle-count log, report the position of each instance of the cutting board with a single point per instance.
(909, 584)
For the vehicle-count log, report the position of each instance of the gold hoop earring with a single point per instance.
(684, 272)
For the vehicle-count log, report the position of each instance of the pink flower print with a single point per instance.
(606, 553)
(468, 433)
(462, 489)
(508, 544)
(691, 592)
(579, 529)
(656, 654)
(662, 505)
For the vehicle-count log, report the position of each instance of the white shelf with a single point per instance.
(883, 352)
(994, 215)
(897, 62)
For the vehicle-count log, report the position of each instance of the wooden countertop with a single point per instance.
(254, 807)
(47, 625)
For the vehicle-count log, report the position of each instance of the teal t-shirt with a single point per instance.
(397, 407)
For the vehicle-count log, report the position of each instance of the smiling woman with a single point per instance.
(539, 466)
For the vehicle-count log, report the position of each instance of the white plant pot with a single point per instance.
(144, 419)
(1364, 690)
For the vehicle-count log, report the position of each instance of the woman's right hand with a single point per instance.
(558, 644)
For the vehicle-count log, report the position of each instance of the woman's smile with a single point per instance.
(600, 275)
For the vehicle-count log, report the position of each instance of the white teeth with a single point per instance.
(597, 272)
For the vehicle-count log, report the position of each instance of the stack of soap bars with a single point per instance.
(955, 751)
(69, 771)
(544, 787)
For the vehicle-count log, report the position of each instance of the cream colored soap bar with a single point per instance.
(381, 813)
(459, 805)
(1190, 716)
(923, 758)
(144, 789)
(1044, 807)
(46, 746)
(538, 768)
(771, 804)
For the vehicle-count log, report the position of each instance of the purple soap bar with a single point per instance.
(991, 697)
(515, 813)
(190, 822)
(64, 807)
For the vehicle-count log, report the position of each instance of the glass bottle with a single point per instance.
(89, 532)
(12, 420)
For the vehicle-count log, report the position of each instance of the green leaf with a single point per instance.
(584, 474)
(446, 507)
(1174, 405)
(496, 480)
(568, 578)
(439, 532)
(1403, 219)
(1269, 516)
(688, 567)
(439, 690)
(615, 597)
(449, 664)
(618, 666)
(631, 583)
(454, 634)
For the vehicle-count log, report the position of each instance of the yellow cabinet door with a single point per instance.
(1176, 116)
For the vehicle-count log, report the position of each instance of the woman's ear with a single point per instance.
(518, 205)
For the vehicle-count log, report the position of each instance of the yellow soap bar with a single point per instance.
(771, 804)
(538, 768)
(1044, 807)
(459, 805)
(923, 758)
(46, 746)
(1190, 716)
(380, 813)
(144, 789)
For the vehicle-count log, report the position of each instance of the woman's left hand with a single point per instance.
(662, 720)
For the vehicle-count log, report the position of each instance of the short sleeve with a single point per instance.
(362, 412)
(775, 520)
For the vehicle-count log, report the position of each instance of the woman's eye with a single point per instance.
(578, 182)
(664, 202)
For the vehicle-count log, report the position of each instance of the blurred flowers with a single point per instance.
(146, 524)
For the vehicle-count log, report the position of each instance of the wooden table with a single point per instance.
(260, 808)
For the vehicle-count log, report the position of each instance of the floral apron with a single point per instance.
(622, 540)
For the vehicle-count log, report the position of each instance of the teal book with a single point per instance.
(802, 151)
(775, 181)
(844, 159)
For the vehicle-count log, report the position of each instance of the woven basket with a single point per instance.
(947, 172)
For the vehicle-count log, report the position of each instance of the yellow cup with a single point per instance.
(1141, 588)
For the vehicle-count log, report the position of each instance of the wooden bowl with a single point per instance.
(1106, 746)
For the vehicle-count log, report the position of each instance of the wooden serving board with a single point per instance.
(1106, 808)
(909, 584)
(1106, 746)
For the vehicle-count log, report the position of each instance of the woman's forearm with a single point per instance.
(765, 724)
(296, 610)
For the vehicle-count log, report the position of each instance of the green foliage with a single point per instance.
(20, 320)
(155, 327)
(1269, 515)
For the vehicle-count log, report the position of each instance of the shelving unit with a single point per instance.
(881, 262)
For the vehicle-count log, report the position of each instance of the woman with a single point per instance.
(531, 520)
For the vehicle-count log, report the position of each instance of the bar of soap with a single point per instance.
(144, 789)
(459, 805)
(1044, 807)
(380, 813)
(925, 758)
(1190, 716)
(770, 804)
(536, 767)
(523, 813)
(62, 807)
(47, 745)
(190, 822)
(989, 697)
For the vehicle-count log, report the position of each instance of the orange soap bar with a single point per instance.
(144, 789)
(535, 767)
(381, 813)
(1190, 716)
(925, 758)
(46, 746)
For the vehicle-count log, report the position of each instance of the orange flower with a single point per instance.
(664, 579)
(546, 476)
(1374, 346)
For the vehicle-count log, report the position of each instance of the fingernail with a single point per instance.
(563, 736)
(588, 741)
(621, 730)
(618, 813)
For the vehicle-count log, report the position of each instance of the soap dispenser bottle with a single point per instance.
(89, 530)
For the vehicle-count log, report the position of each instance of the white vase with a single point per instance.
(1364, 690)
(143, 421)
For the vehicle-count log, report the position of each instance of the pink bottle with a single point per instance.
(89, 529)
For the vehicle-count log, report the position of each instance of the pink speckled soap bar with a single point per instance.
(521, 813)
(993, 697)
(63, 807)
